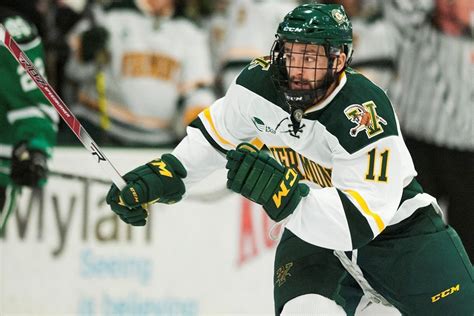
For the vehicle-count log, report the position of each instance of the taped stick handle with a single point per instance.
(59, 105)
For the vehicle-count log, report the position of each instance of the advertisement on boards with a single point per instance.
(65, 252)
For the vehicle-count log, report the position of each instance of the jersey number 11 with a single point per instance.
(383, 166)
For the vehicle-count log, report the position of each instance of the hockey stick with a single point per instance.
(210, 196)
(61, 108)
(64, 175)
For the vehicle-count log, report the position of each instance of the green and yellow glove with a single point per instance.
(159, 181)
(260, 178)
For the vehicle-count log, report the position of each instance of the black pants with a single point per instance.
(448, 175)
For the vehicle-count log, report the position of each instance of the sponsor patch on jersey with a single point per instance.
(264, 128)
(258, 124)
(261, 126)
(365, 117)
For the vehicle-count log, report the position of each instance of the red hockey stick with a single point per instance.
(61, 108)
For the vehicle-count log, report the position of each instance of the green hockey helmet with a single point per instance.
(323, 24)
(326, 25)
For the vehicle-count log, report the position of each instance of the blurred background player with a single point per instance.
(249, 33)
(27, 120)
(149, 62)
(375, 40)
(434, 97)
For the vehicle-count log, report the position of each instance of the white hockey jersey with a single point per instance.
(250, 32)
(153, 63)
(350, 151)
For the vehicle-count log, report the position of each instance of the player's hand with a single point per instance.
(260, 178)
(29, 165)
(159, 181)
(93, 42)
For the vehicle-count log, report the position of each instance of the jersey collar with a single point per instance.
(342, 81)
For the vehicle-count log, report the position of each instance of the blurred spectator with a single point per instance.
(27, 120)
(434, 97)
(62, 17)
(249, 33)
(134, 62)
(216, 26)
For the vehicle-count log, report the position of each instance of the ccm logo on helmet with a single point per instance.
(293, 29)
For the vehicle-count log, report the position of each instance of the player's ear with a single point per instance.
(341, 61)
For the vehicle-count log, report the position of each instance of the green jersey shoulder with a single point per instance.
(256, 77)
(359, 114)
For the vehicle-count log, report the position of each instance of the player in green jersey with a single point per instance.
(27, 120)
(358, 226)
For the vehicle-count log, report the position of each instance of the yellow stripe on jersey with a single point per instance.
(257, 143)
(207, 115)
(365, 208)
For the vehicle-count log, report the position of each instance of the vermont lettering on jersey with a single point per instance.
(149, 65)
(307, 168)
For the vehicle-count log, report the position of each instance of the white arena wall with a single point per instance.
(65, 252)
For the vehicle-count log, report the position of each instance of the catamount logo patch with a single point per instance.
(283, 273)
(366, 119)
(338, 16)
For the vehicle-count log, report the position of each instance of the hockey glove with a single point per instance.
(159, 181)
(29, 165)
(260, 178)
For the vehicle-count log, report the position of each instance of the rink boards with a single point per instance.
(65, 252)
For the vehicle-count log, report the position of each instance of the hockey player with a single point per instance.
(249, 30)
(356, 220)
(151, 68)
(27, 120)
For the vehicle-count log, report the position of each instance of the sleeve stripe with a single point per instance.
(50, 112)
(207, 115)
(24, 113)
(197, 123)
(360, 200)
(30, 45)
